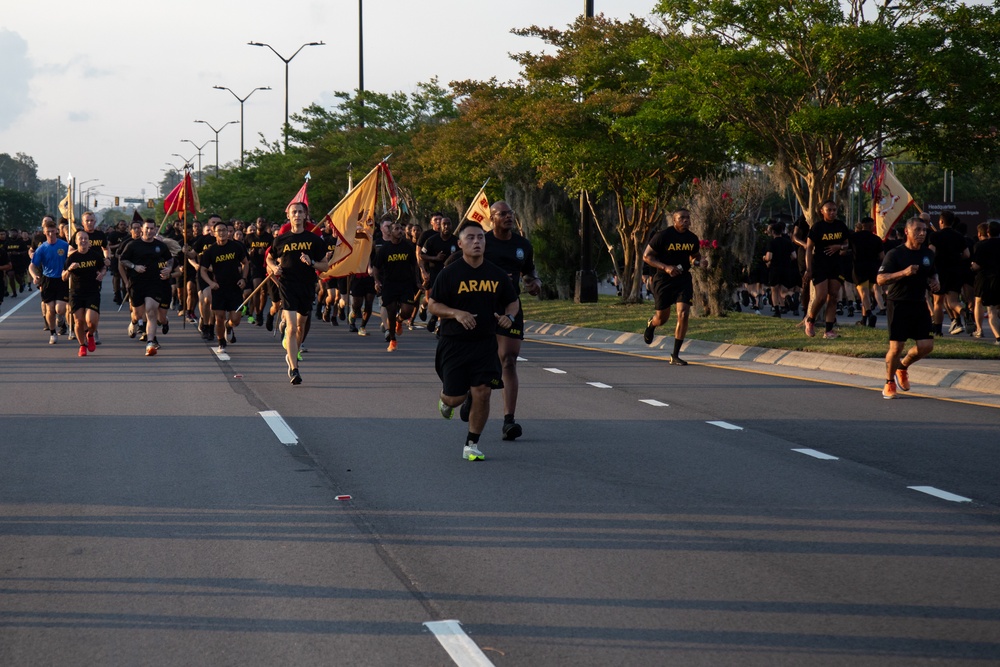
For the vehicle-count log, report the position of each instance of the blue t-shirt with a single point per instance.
(51, 257)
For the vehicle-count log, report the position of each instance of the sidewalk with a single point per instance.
(967, 380)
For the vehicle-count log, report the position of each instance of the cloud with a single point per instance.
(79, 116)
(90, 72)
(15, 72)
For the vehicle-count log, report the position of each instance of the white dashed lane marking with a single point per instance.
(282, 430)
(600, 385)
(816, 455)
(462, 650)
(944, 495)
(556, 371)
(521, 359)
(655, 403)
(726, 425)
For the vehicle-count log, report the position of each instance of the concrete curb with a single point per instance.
(938, 375)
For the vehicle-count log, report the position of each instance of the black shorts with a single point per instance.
(257, 271)
(823, 271)
(988, 289)
(908, 320)
(159, 291)
(298, 296)
(517, 328)
(53, 289)
(85, 300)
(782, 276)
(951, 280)
(667, 291)
(401, 293)
(227, 299)
(758, 274)
(362, 285)
(865, 274)
(341, 284)
(273, 290)
(463, 364)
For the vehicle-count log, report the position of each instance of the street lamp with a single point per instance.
(86, 196)
(228, 122)
(156, 188)
(200, 177)
(187, 161)
(79, 191)
(286, 61)
(241, 101)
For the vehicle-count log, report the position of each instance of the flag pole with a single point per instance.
(474, 200)
(255, 290)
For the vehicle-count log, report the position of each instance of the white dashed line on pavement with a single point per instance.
(944, 495)
(726, 425)
(655, 403)
(600, 385)
(521, 359)
(221, 355)
(19, 304)
(556, 371)
(462, 650)
(816, 455)
(286, 435)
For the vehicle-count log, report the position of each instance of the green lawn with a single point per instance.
(747, 329)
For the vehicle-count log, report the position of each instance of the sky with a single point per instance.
(108, 90)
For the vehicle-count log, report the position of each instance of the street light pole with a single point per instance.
(241, 100)
(361, 60)
(200, 176)
(79, 192)
(228, 122)
(586, 278)
(286, 61)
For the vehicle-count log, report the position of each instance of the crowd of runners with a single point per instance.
(920, 273)
(464, 283)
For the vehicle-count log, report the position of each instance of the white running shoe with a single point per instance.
(471, 453)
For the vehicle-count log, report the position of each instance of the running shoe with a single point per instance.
(143, 337)
(282, 329)
(903, 379)
(810, 328)
(409, 326)
(155, 343)
(341, 315)
(132, 329)
(165, 328)
(432, 326)
(295, 377)
(647, 335)
(222, 347)
(97, 338)
(251, 320)
(889, 391)
(298, 355)
(956, 328)
(150, 350)
(353, 328)
(392, 346)
(91, 343)
(970, 321)
(269, 323)
(362, 331)
(511, 430)
(231, 334)
(423, 313)
(62, 329)
(830, 335)
(83, 351)
(676, 361)
(466, 408)
(977, 334)
(471, 453)
(446, 410)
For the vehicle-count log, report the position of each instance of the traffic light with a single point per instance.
(116, 201)
(95, 202)
(150, 203)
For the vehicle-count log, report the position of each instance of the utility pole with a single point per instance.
(586, 277)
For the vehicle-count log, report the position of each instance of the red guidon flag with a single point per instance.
(182, 199)
(302, 196)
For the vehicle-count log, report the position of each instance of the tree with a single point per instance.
(591, 120)
(19, 172)
(813, 87)
(19, 209)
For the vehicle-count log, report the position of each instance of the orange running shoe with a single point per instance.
(392, 346)
(810, 328)
(889, 391)
(83, 351)
(903, 379)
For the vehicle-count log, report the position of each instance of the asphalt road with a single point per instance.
(662, 516)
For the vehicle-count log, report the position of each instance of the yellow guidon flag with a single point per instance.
(479, 210)
(66, 208)
(891, 203)
(353, 222)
